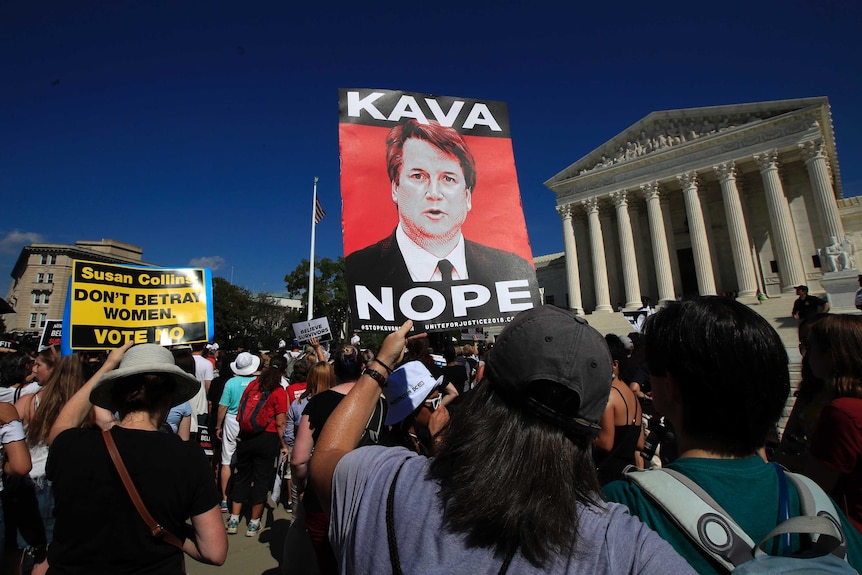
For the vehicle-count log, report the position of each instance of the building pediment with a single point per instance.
(673, 131)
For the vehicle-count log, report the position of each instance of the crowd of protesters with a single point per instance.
(532, 454)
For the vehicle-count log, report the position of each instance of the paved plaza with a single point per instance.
(259, 555)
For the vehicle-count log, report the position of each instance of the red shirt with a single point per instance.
(294, 390)
(837, 442)
(276, 403)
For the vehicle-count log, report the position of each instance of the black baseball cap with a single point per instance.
(554, 364)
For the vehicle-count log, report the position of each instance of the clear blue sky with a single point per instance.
(195, 128)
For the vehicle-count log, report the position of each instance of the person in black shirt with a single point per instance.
(807, 305)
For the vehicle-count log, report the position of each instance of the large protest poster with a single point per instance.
(108, 304)
(433, 225)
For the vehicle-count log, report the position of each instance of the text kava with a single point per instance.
(408, 107)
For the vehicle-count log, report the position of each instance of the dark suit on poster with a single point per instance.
(382, 265)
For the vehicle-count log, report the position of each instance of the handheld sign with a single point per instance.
(108, 304)
(52, 334)
(637, 318)
(433, 225)
(319, 328)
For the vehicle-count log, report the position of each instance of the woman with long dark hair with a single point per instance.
(16, 375)
(621, 437)
(256, 453)
(834, 344)
(98, 528)
(511, 489)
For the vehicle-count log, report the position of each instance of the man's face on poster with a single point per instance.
(431, 194)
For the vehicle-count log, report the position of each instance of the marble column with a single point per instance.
(597, 250)
(746, 281)
(658, 237)
(697, 230)
(814, 153)
(631, 281)
(573, 280)
(785, 246)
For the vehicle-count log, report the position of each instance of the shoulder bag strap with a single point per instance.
(156, 530)
(394, 558)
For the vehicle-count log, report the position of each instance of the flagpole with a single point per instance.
(311, 259)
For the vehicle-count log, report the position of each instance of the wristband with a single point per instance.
(386, 367)
(375, 375)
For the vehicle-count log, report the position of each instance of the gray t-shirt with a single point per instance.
(610, 540)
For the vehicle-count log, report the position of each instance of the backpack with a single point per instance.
(253, 414)
(711, 529)
(291, 362)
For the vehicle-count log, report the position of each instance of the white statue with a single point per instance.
(838, 257)
(849, 249)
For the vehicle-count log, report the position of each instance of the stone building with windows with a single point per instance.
(41, 276)
(736, 198)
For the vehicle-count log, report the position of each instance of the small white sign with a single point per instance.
(319, 328)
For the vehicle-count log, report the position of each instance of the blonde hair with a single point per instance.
(65, 380)
(321, 377)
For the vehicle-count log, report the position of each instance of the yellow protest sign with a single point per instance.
(108, 304)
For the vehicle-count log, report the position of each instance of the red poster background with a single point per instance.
(369, 215)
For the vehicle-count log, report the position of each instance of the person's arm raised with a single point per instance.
(78, 406)
(345, 426)
(318, 350)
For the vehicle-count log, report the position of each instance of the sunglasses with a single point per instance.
(435, 402)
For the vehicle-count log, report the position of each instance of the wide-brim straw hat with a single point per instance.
(146, 358)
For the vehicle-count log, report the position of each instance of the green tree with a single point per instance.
(232, 313)
(248, 320)
(330, 291)
(271, 319)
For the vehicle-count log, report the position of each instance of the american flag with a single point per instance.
(319, 212)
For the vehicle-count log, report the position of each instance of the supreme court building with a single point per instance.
(735, 198)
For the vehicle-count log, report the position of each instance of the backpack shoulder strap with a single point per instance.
(243, 400)
(696, 514)
(815, 502)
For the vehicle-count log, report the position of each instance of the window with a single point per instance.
(41, 297)
(32, 320)
(43, 319)
(40, 278)
(52, 259)
(50, 279)
(43, 260)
